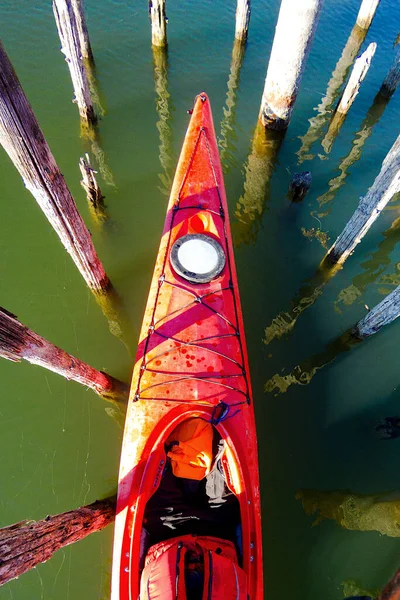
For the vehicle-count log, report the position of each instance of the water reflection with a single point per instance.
(228, 137)
(371, 119)
(357, 512)
(93, 143)
(303, 373)
(373, 268)
(160, 64)
(324, 109)
(259, 169)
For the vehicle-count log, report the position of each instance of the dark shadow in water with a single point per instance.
(335, 84)
(259, 169)
(228, 124)
(303, 373)
(163, 106)
(373, 268)
(371, 119)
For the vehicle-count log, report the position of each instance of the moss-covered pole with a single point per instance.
(24, 142)
(294, 33)
(243, 11)
(370, 207)
(71, 47)
(26, 544)
(158, 20)
(17, 342)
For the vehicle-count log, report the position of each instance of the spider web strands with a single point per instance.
(172, 316)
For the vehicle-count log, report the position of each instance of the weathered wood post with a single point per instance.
(25, 545)
(294, 33)
(23, 140)
(382, 314)
(243, 11)
(70, 46)
(83, 34)
(357, 76)
(17, 342)
(299, 186)
(392, 79)
(366, 13)
(350, 51)
(93, 192)
(384, 187)
(228, 122)
(163, 100)
(159, 21)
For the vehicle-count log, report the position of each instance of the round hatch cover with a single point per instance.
(197, 257)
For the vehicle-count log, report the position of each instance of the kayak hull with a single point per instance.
(191, 362)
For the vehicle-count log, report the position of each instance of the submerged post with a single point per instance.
(18, 342)
(23, 140)
(71, 47)
(90, 185)
(392, 79)
(25, 545)
(294, 33)
(384, 187)
(158, 20)
(382, 314)
(366, 13)
(357, 76)
(243, 11)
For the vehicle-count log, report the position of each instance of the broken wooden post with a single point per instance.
(159, 21)
(18, 342)
(357, 76)
(366, 13)
(243, 11)
(25, 545)
(299, 186)
(382, 314)
(294, 32)
(392, 79)
(93, 192)
(228, 122)
(386, 184)
(70, 46)
(83, 34)
(23, 140)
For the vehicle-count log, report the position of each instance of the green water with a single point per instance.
(59, 445)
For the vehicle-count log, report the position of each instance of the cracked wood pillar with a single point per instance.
(158, 20)
(366, 13)
(370, 207)
(392, 79)
(243, 11)
(294, 33)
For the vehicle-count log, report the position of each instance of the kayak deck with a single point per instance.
(191, 362)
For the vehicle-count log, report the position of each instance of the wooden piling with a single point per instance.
(83, 34)
(384, 187)
(294, 32)
(71, 47)
(392, 79)
(357, 76)
(158, 20)
(26, 544)
(299, 186)
(366, 13)
(23, 140)
(90, 185)
(17, 342)
(243, 11)
(382, 314)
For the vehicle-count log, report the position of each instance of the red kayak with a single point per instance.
(191, 363)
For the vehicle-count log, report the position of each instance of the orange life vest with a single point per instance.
(163, 577)
(192, 454)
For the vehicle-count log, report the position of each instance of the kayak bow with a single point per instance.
(191, 360)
